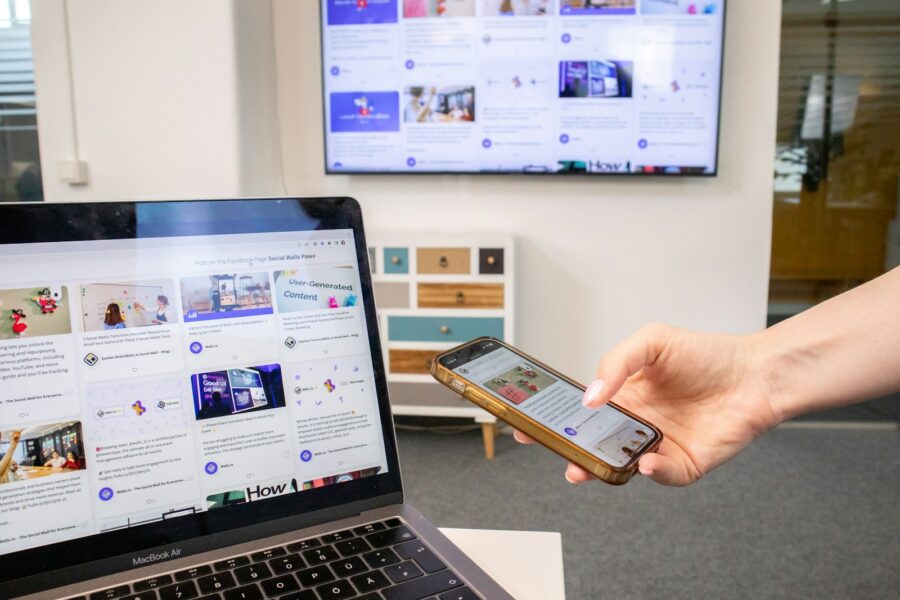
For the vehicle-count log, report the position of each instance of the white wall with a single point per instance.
(163, 101)
(597, 258)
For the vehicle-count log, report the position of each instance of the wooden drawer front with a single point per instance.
(412, 362)
(390, 294)
(456, 261)
(396, 261)
(442, 329)
(490, 261)
(460, 295)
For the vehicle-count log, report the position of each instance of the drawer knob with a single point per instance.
(443, 262)
(395, 260)
(491, 260)
(460, 297)
(445, 329)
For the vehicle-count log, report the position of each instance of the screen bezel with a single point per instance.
(110, 552)
(477, 348)
(564, 174)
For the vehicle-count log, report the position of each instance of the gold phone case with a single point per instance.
(540, 433)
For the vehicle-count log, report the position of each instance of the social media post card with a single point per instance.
(130, 329)
(37, 379)
(354, 152)
(439, 47)
(364, 112)
(590, 8)
(212, 343)
(319, 311)
(351, 62)
(510, 38)
(44, 495)
(361, 12)
(141, 442)
(334, 415)
(576, 38)
(241, 425)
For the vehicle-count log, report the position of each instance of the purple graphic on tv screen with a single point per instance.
(361, 12)
(365, 111)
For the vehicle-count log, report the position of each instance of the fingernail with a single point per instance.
(567, 478)
(645, 470)
(592, 393)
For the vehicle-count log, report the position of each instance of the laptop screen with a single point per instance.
(149, 380)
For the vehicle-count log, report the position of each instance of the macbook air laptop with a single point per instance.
(193, 405)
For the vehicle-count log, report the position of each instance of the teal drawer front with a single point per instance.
(396, 261)
(442, 329)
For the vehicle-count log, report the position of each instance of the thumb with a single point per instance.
(627, 358)
(666, 470)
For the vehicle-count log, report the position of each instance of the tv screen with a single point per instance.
(522, 86)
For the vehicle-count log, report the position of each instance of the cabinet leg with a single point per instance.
(487, 431)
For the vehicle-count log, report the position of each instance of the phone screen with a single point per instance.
(607, 433)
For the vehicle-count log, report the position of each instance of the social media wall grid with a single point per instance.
(155, 379)
(607, 433)
(525, 86)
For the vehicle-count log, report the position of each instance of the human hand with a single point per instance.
(15, 436)
(709, 394)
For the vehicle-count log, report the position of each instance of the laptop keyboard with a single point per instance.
(383, 560)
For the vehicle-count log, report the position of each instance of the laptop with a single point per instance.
(193, 405)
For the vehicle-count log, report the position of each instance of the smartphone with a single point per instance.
(546, 405)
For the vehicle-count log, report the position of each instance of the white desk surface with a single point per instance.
(528, 564)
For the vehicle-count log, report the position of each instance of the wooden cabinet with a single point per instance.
(433, 292)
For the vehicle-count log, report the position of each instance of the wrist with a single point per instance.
(775, 369)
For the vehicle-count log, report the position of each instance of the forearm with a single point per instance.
(842, 351)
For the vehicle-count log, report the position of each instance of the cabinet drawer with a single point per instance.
(442, 329)
(391, 294)
(396, 261)
(456, 261)
(490, 261)
(460, 295)
(412, 362)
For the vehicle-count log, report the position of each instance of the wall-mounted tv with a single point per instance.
(627, 87)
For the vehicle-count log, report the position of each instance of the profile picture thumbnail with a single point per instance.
(225, 296)
(235, 391)
(40, 451)
(595, 78)
(521, 383)
(110, 306)
(34, 311)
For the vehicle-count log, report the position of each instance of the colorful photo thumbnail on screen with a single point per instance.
(110, 306)
(680, 7)
(521, 383)
(620, 445)
(364, 112)
(225, 296)
(517, 8)
(434, 104)
(34, 312)
(361, 12)
(594, 166)
(316, 288)
(38, 451)
(595, 78)
(235, 391)
(597, 7)
(341, 478)
(413, 9)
